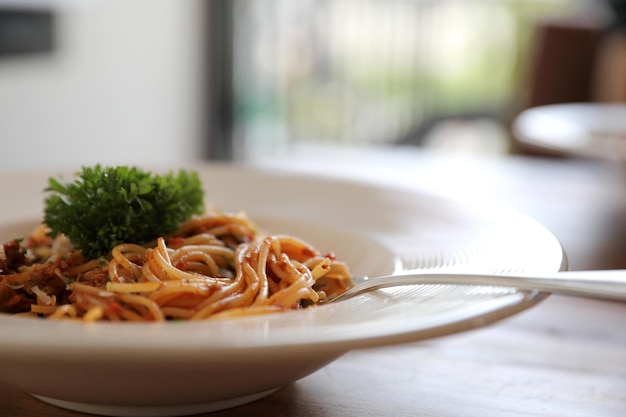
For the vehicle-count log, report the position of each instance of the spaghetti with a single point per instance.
(214, 266)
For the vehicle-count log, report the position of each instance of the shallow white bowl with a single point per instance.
(176, 368)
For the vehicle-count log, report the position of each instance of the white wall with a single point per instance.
(123, 86)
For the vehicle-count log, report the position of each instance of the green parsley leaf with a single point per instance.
(106, 206)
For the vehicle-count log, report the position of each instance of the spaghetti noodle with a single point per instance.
(214, 266)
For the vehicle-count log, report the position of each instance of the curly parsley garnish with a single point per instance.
(106, 206)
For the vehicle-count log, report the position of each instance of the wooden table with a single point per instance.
(564, 357)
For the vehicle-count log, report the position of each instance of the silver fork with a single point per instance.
(601, 284)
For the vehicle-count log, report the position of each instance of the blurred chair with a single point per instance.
(562, 62)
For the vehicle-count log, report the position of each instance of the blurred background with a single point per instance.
(166, 81)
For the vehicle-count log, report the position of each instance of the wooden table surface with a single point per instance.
(563, 357)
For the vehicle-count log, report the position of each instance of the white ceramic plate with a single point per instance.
(592, 130)
(185, 368)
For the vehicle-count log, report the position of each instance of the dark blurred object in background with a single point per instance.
(563, 61)
(580, 58)
(26, 31)
(610, 62)
(619, 8)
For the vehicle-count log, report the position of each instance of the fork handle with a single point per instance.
(601, 284)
